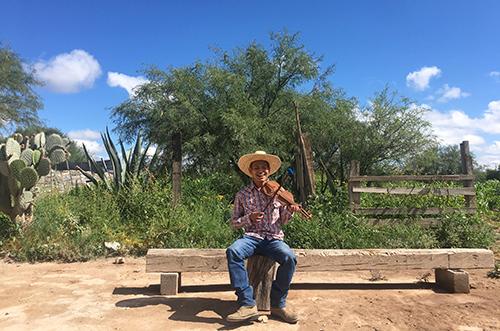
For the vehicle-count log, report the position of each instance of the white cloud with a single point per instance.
(84, 134)
(129, 83)
(449, 93)
(454, 126)
(491, 155)
(495, 75)
(491, 120)
(68, 72)
(91, 139)
(419, 80)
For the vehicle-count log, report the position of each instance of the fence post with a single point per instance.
(354, 198)
(470, 201)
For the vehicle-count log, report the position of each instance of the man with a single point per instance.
(263, 235)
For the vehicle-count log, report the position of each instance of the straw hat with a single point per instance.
(246, 160)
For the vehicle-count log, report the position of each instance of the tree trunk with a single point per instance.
(176, 167)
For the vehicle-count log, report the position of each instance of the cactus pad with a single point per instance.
(4, 168)
(12, 148)
(16, 166)
(53, 140)
(43, 167)
(18, 137)
(40, 140)
(36, 157)
(57, 156)
(14, 186)
(27, 156)
(3, 154)
(28, 177)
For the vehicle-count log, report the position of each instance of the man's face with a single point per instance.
(260, 171)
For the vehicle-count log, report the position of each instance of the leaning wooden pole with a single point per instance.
(304, 162)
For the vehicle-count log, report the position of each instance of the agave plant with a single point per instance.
(126, 168)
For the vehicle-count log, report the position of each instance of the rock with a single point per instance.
(112, 245)
(119, 260)
(263, 319)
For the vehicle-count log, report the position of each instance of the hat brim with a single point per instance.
(246, 160)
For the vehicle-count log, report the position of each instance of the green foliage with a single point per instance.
(461, 230)
(74, 226)
(435, 160)
(18, 101)
(488, 196)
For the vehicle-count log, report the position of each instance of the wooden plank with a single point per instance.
(185, 259)
(390, 221)
(417, 190)
(206, 260)
(411, 211)
(462, 258)
(423, 178)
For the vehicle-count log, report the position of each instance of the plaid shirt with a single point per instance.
(251, 199)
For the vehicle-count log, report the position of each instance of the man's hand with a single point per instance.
(293, 208)
(256, 216)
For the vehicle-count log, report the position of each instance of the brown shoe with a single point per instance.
(244, 313)
(285, 314)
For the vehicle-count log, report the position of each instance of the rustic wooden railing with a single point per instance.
(467, 179)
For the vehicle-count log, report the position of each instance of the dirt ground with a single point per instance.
(100, 295)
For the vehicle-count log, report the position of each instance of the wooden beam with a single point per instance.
(425, 222)
(466, 158)
(411, 211)
(207, 260)
(417, 190)
(423, 178)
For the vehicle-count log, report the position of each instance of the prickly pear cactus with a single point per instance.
(23, 160)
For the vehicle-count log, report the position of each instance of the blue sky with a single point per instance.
(444, 54)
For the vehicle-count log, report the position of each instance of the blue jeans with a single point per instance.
(275, 249)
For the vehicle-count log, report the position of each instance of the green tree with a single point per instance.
(244, 100)
(18, 102)
(235, 104)
(390, 129)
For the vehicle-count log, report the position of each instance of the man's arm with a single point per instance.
(239, 219)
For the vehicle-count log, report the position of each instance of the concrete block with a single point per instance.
(170, 283)
(452, 280)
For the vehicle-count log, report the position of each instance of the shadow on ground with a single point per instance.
(154, 289)
(188, 309)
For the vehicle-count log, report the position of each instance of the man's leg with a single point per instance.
(279, 251)
(236, 254)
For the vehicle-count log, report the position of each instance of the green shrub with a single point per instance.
(462, 230)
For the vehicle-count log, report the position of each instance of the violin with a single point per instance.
(274, 189)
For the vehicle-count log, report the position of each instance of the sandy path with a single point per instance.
(100, 295)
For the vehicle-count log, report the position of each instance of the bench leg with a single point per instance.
(454, 281)
(261, 270)
(170, 283)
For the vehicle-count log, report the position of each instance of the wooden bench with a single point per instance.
(449, 265)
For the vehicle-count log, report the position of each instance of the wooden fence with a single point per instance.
(467, 179)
